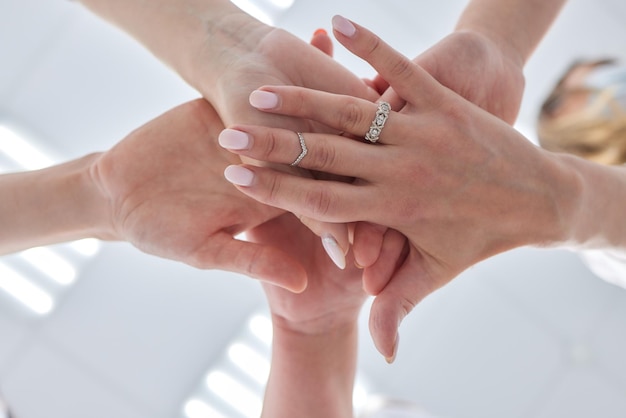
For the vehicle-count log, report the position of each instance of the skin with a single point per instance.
(161, 188)
(447, 174)
(225, 54)
(314, 350)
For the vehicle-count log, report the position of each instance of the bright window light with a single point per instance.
(282, 4)
(87, 247)
(21, 151)
(261, 327)
(253, 10)
(195, 408)
(23, 290)
(235, 394)
(250, 361)
(50, 264)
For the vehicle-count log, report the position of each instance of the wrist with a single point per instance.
(592, 199)
(52, 205)
(312, 375)
(485, 39)
(224, 38)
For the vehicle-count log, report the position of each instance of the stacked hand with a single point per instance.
(445, 174)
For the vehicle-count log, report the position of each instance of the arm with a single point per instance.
(463, 185)
(515, 26)
(52, 205)
(225, 53)
(161, 188)
(483, 58)
(312, 375)
(314, 350)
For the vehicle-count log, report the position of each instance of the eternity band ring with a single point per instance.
(303, 152)
(382, 113)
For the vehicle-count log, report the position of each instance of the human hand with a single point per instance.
(473, 66)
(332, 297)
(473, 187)
(167, 196)
(264, 61)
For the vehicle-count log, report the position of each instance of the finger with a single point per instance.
(334, 238)
(325, 153)
(259, 261)
(408, 79)
(323, 42)
(407, 288)
(344, 113)
(326, 201)
(368, 241)
(393, 253)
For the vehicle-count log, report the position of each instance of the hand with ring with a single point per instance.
(457, 183)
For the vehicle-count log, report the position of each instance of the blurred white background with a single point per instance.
(116, 333)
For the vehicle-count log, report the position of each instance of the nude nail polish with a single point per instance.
(232, 139)
(263, 99)
(239, 175)
(343, 26)
(334, 251)
(391, 359)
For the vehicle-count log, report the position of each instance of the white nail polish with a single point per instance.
(334, 251)
(263, 99)
(239, 175)
(232, 139)
(343, 26)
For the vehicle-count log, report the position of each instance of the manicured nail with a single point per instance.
(334, 251)
(320, 31)
(391, 359)
(343, 26)
(232, 139)
(239, 175)
(263, 99)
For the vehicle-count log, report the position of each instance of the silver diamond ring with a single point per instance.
(382, 113)
(304, 150)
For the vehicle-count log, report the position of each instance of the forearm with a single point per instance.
(183, 33)
(517, 26)
(52, 205)
(312, 374)
(598, 202)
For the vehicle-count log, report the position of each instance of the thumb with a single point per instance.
(258, 261)
(407, 288)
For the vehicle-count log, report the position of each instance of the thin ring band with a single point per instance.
(382, 113)
(303, 153)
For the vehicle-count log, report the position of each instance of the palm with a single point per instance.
(174, 202)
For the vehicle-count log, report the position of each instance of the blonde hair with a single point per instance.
(596, 132)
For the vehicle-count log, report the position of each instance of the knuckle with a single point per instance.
(325, 157)
(267, 146)
(351, 118)
(400, 67)
(274, 187)
(319, 201)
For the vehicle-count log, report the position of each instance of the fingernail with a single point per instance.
(320, 31)
(239, 175)
(263, 99)
(334, 251)
(343, 26)
(232, 139)
(391, 359)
